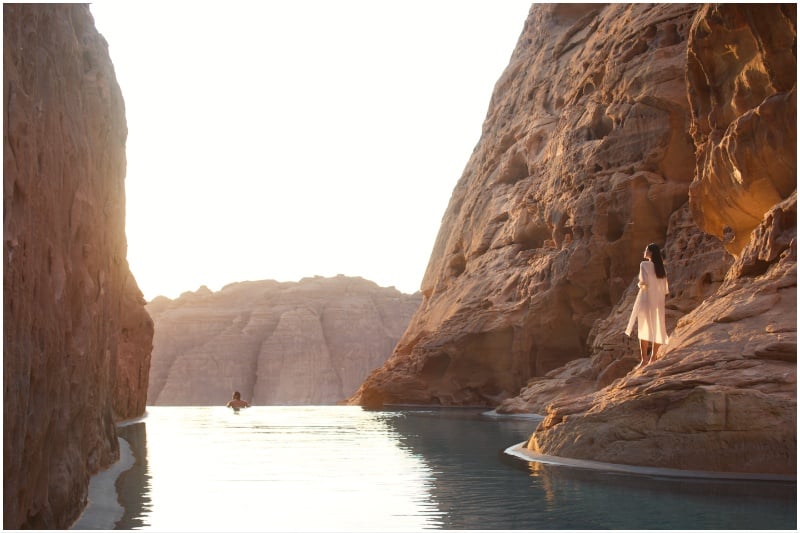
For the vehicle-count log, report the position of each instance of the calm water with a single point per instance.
(346, 469)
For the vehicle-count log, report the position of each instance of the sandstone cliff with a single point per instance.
(311, 342)
(723, 394)
(614, 126)
(584, 157)
(73, 320)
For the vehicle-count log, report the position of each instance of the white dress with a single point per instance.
(648, 310)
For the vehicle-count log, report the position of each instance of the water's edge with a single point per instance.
(440, 441)
(103, 510)
(521, 452)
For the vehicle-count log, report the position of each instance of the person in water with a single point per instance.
(237, 402)
(648, 310)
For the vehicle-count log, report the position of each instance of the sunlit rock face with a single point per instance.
(612, 127)
(696, 267)
(742, 87)
(67, 293)
(723, 395)
(311, 342)
(584, 158)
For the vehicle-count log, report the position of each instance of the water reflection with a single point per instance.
(276, 468)
(480, 487)
(470, 471)
(631, 501)
(133, 485)
(344, 469)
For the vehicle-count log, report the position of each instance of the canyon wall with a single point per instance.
(311, 342)
(74, 324)
(723, 393)
(584, 158)
(615, 126)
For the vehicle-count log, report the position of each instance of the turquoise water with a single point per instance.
(347, 469)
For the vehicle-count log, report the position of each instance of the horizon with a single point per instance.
(291, 282)
(300, 140)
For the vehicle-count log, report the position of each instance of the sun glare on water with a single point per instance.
(266, 463)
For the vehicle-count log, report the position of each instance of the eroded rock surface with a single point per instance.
(723, 395)
(614, 126)
(311, 342)
(585, 156)
(742, 73)
(67, 290)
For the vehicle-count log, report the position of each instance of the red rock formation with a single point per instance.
(595, 135)
(584, 158)
(134, 355)
(311, 342)
(742, 87)
(65, 271)
(697, 264)
(723, 396)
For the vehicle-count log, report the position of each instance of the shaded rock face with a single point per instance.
(311, 342)
(584, 158)
(133, 357)
(67, 290)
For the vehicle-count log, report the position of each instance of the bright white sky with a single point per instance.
(279, 140)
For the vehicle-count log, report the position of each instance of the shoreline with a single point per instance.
(521, 452)
(103, 511)
(515, 416)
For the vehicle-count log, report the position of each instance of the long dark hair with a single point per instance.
(658, 262)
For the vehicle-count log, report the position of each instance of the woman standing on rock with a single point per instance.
(648, 310)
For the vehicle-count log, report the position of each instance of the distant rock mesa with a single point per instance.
(310, 342)
(615, 126)
(76, 336)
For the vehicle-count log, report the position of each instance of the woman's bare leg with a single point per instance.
(643, 346)
(655, 351)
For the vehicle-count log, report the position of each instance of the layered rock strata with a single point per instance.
(68, 295)
(311, 342)
(614, 126)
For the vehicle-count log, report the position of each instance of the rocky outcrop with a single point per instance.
(584, 158)
(723, 395)
(311, 342)
(133, 358)
(697, 264)
(66, 284)
(614, 126)
(742, 75)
